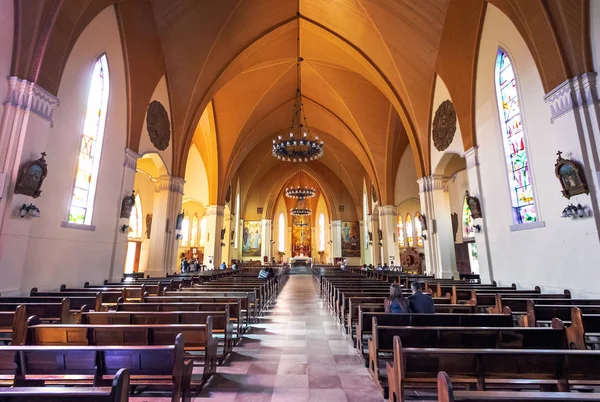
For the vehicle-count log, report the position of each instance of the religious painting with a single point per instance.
(252, 239)
(350, 239)
(31, 177)
(301, 238)
(570, 176)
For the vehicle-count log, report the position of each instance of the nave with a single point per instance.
(296, 352)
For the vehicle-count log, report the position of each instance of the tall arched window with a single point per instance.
(135, 220)
(281, 240)
(237, 219)
(409, 231)
(400, 226)
(418, 230)
(203, 231)
(194, 236)
(515, 144)
(90, 148)
(185, 231)
(321, 232)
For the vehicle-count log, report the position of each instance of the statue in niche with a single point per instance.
(127, 205)
(454, 225)
(31, 177)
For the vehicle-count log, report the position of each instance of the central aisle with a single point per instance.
(295, 353)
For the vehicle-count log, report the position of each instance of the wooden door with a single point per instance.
(463, 263)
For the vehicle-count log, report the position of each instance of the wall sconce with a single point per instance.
(124, 228)
(29, 210)
(575, 212)
(222, 244)
(178, 236)
(477, 228)
(424, 236)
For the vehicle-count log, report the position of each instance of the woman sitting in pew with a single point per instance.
(396, 302)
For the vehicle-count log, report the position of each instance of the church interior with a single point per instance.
(275, 169)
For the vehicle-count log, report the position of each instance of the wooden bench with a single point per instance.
(221, 325)
(117, 392)
(365, 322)
(584, 330)
(163, 366)
(540, 315)
(446, 393)
(247, 300)
(13, 322)
(76, 299)
(380, 345)
(480, 368)
(200, 345)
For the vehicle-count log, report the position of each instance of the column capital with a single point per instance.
(386, 210)
(131, 158)
(217, 210)
(472, 157)
(335, 224)
(572, 94)
(169, 183)
(31, 97)
(432, 183)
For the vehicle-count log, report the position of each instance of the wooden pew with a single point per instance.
(366, 320)
(162, 366)
(518, 305)
(515, 368)
(247, 300)
(200, 345)
(221, 325)
(584, 330)
(76, 299)
(13, 322)
(117, 392)
(74, 302)
(446, 393)
(540, 315)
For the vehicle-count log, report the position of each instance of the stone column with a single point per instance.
(120, 239)
(440, 258)
(212, 247)
(375, 248)
(227, 224)
(574, 108)
(162, 255)
(267, 247)
(387, 222)
(481, 239)
(336, 238)
(26, 122)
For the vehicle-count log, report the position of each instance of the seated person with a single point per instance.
(396, 302)
(234, 266)
(420, 302)
(263, 274)
(184, 265)
(224, 265)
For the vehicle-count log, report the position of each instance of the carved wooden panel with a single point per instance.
(159, 127)
(444, 126)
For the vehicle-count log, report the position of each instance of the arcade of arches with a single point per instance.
(417, 103)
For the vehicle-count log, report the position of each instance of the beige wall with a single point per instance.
(457, 185)
(57, 255)
(568, 246)
(6, 41)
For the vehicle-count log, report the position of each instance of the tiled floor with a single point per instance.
(296, 352)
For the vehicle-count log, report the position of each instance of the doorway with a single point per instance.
(132, 260)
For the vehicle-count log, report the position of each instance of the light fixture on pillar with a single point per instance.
(300, 146)
(575, 212)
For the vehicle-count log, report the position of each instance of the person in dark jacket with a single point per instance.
(420, 302)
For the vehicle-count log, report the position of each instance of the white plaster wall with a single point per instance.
(321, 208)
(558, 255)
(196, 181)
(456, 146)
(58, 255)
(161, 94)
(406, 178)
(457, 185)
(145, 188)
(6, 41)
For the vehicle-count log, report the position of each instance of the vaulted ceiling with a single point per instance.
(367, 77)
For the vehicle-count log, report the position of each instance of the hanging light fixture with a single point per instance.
(301, 209)
(300, 146)
(300, 191)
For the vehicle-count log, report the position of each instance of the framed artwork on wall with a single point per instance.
(350, 239)
(31, 177)
(570, 176)
(252, 239)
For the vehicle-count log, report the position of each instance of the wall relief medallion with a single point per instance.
(444, 126)
(159, 127)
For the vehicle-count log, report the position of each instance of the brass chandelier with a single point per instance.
(300, 146)
(301, 193)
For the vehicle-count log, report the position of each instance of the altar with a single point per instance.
(300, 260)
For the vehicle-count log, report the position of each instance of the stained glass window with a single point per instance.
(203, 231)
(519, 175)
(135, 220)
(185, 231)
(237, 219)
(468, 230)
(194, 236)
(418, 230)
(409, 231)
(281, 243)
(84, 191)
(321, 232)
(400, 232)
